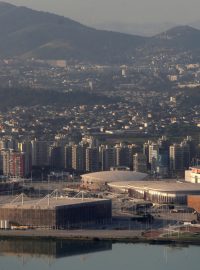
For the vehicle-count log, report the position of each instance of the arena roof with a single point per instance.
(159, 186)
(53, 203)
(114, 176)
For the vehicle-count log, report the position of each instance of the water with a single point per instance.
(60, 255)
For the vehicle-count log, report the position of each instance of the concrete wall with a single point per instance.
(99, 212)
(30, 217)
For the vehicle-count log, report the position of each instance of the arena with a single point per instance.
(56, 213)
(158, 191)
(100, 180)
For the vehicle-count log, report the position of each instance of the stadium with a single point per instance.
(100, 180)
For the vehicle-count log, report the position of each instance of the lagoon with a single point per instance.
(79, 255)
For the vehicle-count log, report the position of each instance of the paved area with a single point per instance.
(76, 234)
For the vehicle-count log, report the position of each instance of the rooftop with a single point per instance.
(114, 176)
(53, 203)
(159, 186)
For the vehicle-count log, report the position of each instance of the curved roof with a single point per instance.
(170, 186)
(114, 176)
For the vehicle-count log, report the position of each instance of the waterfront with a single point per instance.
(75, 255)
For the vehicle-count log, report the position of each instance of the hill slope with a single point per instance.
(180, 37)
(28, 33)
(176, 40)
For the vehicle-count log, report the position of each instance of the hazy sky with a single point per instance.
(123, 11)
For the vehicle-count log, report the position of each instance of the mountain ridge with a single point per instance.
(26, 33)
(36, 34)
(183, 37)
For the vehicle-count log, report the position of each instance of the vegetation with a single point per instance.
(191, 97)
(13, 97)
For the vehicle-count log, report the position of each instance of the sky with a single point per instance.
(92, 12)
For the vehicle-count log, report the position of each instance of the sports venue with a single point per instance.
(158, 191)
(100, 180)
(56, 213)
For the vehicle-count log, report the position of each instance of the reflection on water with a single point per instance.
(77, 255)
(51, 248)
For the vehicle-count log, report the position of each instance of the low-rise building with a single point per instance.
(193, 175)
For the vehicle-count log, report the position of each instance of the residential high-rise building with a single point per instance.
(26, 147)
(15, 164)
(176, 158)
(186, 154)
(158, 156)
(40, 153)
(190, 151)
(56, 158)
(6, 161)
(163, 157)
(107, 157)
(92, 159)
(78, 157)
(146, 153)
(153, 156)
(124, 155)
(140, 163)
(68, 157)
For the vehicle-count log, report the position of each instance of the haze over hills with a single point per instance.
(177, 40)
(27, 33)
(181, 37)
(141, 29)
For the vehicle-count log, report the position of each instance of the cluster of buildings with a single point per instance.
(140, 186)
(94, 146)
(142, 108)
(161, 159)
(166, 159)
(58, 74)
(18, 159)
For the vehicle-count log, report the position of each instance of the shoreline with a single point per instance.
(116, 236)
